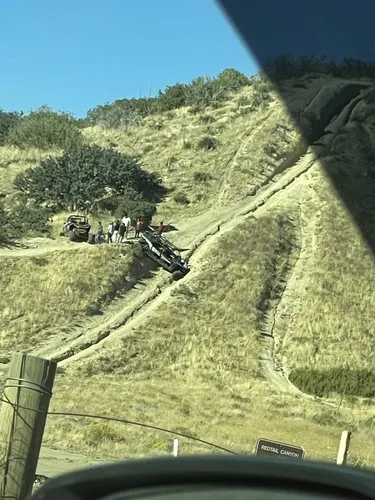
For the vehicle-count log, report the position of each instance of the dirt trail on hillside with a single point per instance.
(37, 247)
(282, 316)
(290, 303)
(92, 343)
(284, 309)
(115, 328)
(89, 344)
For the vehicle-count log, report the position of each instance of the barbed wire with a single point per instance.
(123, 421)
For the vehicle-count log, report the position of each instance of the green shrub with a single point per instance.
(7, 121)
(208, 143)
(44, 129)
(199, 93)
(261, 95)
(89, 173)
(173, 97)
(231, 80)
(136, 208)
(205, 119)
(181, 199)
(340, 380)
(24, 220)
(202, 176)
(122, 112)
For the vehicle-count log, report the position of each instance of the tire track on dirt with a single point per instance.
(285, 307)
(281, 317)
(141, 311)
(232, 163)
(129, 318)
(291, 301)
(149, 303)
(37, 251)
(154, 300)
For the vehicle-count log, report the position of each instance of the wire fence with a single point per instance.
(123, 421)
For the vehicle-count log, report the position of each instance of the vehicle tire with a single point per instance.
(177, 275)
(138, 250)
(71, 236)
(91, 239)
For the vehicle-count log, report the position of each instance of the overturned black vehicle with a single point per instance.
(163, 252)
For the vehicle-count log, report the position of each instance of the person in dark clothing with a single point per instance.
(116, 227)
(110, 232)
(121, 232)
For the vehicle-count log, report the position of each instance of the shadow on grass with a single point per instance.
(352, 174)
(15, 245)
(338, 116)
(139, 273)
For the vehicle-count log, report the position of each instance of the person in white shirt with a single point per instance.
(126, 220)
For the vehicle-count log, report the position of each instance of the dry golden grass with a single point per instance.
(46, 296)
(169, 145)
(213, 324)
(335, 325)
(336, 320)
(194, 368)
(230, 415)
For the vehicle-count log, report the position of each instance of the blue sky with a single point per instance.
(73, 55)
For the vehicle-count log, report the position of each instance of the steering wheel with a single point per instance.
(209, 477)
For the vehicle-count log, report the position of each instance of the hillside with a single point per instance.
(270, 334)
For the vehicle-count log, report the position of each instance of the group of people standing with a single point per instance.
(119, 229)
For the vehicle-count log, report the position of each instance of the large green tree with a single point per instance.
(88, 173)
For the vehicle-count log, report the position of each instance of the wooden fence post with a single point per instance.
(343, 448)
(175, 447)
(23, 414)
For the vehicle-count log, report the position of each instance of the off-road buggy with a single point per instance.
(76, 228)
(161, 251)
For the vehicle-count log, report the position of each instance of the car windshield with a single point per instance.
(242, 142)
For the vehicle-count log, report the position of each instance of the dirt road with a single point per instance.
(53, 462)
(37, 247)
